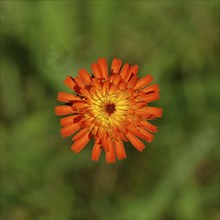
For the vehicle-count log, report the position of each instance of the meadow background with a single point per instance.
(176, 177)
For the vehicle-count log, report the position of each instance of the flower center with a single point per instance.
(110, 108)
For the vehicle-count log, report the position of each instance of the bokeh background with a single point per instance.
(176, 177)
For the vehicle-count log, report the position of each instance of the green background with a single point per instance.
(176, 177)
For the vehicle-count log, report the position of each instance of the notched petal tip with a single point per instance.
(151, 97)
(116, 65)
(66, 97)
(143, 82)
(81, 143)
(96, 69)
(63, 110)
(135, 142)
(148, 126)
(84, 75)
(155, 111)
(69, 130)
(110, 155)
(96, 151)
(120, 151)
(69, 81)
(67, 120)
(103, 66)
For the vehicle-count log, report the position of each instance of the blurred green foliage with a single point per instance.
(176, 177)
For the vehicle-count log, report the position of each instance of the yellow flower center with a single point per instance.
(109, 109)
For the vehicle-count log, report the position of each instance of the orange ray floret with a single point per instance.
(110, 106)
(151, 89)
(120, 150)
(81, 143)
(96, 151)
(104, 67)
(110, 155)
(147, 125)
(124, 71)
(79, 82)
(143, 82)
(67, 97)
(69, 82)
(135, 141)
(84, 75)
(116, 65)
(68, 120)
(69, 129)
(64, 110)
(80, 134)
(97, 71)
(150, 97)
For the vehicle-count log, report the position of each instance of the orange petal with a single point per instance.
(85, 76)
(124, 71)
(147, 136)
(131, 111)
(101, 132)
(135, 69)
(131, 70)
(150, 127)
(70, 129)
(104, 67)
(80, 134)
(113, 89)
(122, 137)
(151, 89)
(85, 93)
(126, 94)
(64, 110)
(120, 150)
(96, 83)
(116, 79)
(110, 155)
(69, 82)
(105, 87)
(157, 112)
(135, 141)
(66, 97)
(119, 131)
(96, 121)
(122, 86)
(137, 133)
(96, 151)
(80, 105)
(116, 65)
(67, 120)
(150, 97)
(141, 133)
(97, 71)
(79, 82)
(95, 130)
(81, 143)
(144, 114)
(88, 123)
(105, 144)
(143, 82)
(95, 92)
(110, 78)
(133, 80)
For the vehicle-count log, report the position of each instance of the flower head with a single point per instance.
(113, 107)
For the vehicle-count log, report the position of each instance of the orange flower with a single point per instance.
(111, 107)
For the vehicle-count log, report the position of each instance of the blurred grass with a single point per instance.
(176, 177)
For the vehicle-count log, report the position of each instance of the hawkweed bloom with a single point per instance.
(111, 106)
